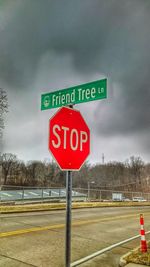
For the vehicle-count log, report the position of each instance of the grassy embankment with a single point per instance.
(60, 206)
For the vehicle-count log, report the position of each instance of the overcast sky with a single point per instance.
(47, 45)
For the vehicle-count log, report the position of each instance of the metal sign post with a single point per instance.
(68, 216)
(69, 136)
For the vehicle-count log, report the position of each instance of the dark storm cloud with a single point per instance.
(109, 38)
(102, 36)
(128, 111)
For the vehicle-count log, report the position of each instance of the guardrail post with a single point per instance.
(42, 195)
(100, 195)
(23, 194)
(88, 191)
(132, 196)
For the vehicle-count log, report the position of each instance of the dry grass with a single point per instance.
(139, 257)
(59, 206)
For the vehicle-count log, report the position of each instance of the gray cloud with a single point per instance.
(106, 36)
(101, 38)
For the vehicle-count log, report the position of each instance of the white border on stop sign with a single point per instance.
(49, 138)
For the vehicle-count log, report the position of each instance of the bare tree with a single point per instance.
(8, 161)
(3, 108)
(35, 173)
(136, 167)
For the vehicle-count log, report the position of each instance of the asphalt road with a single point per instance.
(38, 239)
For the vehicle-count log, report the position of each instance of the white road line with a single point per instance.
(6, 194)
(54, 192)
(46, 193)
(64, 192)
(78, 262)
(32, 193)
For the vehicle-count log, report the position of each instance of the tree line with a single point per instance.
(3, 110)
(131, 175)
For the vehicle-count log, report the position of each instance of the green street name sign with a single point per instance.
(78, 94)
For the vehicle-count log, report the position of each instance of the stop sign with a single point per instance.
(69, 138)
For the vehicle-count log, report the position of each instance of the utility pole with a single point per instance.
(103, 158)
(3, 109)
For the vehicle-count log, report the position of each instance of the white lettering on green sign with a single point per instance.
(75, 95)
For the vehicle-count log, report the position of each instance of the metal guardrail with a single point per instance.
(9, 194)
(104, 250)
(107, 195)
(20, 193)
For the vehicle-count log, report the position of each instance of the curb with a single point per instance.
(122, 261)
(60, 206)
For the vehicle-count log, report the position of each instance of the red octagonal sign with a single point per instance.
(69, 138)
